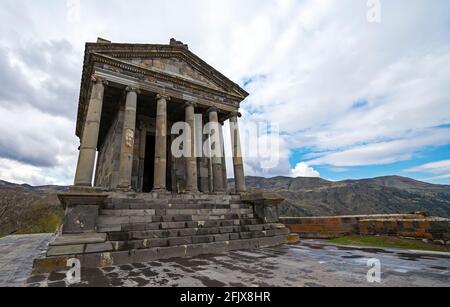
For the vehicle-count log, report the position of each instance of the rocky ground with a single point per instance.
(311, 263)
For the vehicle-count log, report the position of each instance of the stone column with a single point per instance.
(127, 146)
(89, 139)
(142, 146)
(224, 163)
(216, 151)
(204, 164)
(161, 143)
(238, 163)
(191, 160)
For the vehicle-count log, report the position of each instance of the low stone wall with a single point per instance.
(434, 229)
(404, 225)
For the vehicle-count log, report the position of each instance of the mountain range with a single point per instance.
(319, 197)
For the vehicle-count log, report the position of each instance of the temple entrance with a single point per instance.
(149, 164)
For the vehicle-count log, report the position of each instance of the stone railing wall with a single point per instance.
(416, 226)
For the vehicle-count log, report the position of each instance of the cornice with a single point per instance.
(164, 51)
(111, 54)
(152, 72)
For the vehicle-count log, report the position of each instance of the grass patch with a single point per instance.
(389, 242)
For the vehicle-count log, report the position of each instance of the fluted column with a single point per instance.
(142, 146)
(238, 163)
(216, 151)
(127, 146)
(191, 160)
(89, 139)
(205, 186)
(161, 143)
(224, 163)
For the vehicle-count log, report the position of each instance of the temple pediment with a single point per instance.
(173, 60)
(157, 68)
(176, 67)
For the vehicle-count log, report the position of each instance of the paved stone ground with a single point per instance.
(311, 263)
(16, 257)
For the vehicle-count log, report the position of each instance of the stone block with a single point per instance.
(87, 238)
(195, 250)
(145, 255)
(202, 239)
(266, 205)
(173, 225)
(99, 247)
(158, 243)
(187, 232)
(208, 231)
(293, 238)
(65, 250)
(221, 237)
(171, 252)
(223, 230)
(113, 220)
(180, 241)
(109, 228)
(228, 223)
(141, 219)
(234, 236)
(119, 236)
(80, 219)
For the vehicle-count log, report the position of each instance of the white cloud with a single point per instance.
(439, 168)
(304, 170)
(14, 171)
(383, 152)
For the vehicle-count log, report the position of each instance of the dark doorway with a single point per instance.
(149, 164)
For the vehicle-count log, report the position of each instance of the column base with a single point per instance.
(125, 189)
(86, 189)
(161, 192)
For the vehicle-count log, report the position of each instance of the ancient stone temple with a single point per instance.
(134, 197)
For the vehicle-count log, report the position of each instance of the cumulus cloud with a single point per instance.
(304, 170)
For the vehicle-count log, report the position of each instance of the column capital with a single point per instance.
(97, 79)
(132, 89)
(190, 104)
(163, 96)
(236, 114)
(212, 109)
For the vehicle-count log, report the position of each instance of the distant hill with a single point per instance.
(28, 209)
(393, 194)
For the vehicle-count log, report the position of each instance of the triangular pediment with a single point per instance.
(173, 61)
(176, 67)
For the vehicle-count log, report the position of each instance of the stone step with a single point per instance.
(121, 244)
(142, 226)
(106, 259)
(142, 206)
(184, 232)
(172, 212)
(177, 241)
(120, 220)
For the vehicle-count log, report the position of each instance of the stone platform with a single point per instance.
(312, 263)
(117, 228)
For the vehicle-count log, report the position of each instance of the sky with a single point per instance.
(354, 88)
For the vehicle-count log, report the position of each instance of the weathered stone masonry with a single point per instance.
(140, 202)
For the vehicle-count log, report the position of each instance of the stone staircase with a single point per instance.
(132, 230)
